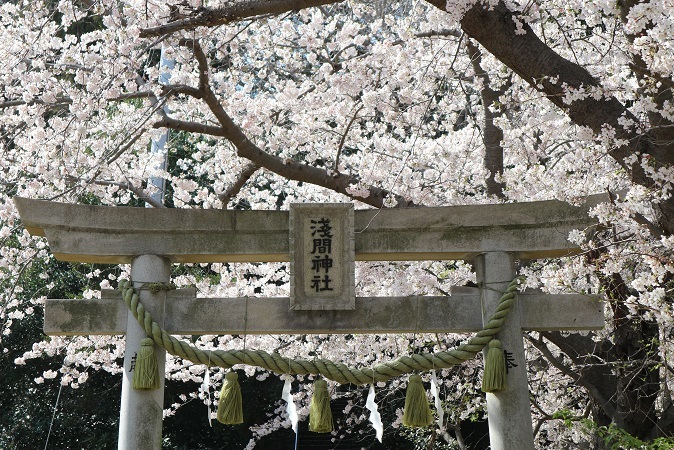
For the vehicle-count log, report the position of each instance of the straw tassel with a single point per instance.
(230, 406)
(417, 411)
(145, 372)
(494, 378)
(320, 415)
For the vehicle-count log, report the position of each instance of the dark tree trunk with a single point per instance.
(623, 389)
(537, 64)
(492, 135)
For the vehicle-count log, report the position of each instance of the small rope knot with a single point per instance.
(158, 287)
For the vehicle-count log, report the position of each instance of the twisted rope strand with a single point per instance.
(338, 372)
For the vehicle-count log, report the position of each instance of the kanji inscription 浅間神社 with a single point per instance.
(321, 256)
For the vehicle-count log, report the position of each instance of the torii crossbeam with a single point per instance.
(493, 237)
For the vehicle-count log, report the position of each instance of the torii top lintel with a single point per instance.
(114, 235)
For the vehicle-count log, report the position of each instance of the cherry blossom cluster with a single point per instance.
(376, 95)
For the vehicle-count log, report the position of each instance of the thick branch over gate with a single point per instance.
(525, 54)
(234, 11)
(538, 64)
(245, 148)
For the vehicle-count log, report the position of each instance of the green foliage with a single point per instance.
(83, 418)
(616, 438)
(424, 438)
(613, 437)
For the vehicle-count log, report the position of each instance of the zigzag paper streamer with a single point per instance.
(205, 388)
(375, 417)
(292, 410)
(438, 405)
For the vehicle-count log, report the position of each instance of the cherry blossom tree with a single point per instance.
(387, 104)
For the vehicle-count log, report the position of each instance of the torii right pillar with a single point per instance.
(509, 411)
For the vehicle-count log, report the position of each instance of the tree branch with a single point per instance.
(191, 127)
(286, 168)
(648, 73)
(63, 100)
(202, 63)
(342, 140)
(607, 406)
(544, 416)
(492, 135)
(446, 32)
(174, 89)
(232, 12)
(60, 101)
(138, 192)
(235, 188)
(661, 127)
(665, 424)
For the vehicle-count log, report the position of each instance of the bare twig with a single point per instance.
(559, 365)
(235, 188)
(287, 168)
(342, 140)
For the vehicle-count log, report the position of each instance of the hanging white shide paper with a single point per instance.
(205, 388)
(438, 405)
(375, 417)
(292, 410)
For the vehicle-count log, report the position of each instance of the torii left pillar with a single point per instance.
(141, 414)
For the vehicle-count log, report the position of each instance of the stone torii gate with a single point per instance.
(493, 237)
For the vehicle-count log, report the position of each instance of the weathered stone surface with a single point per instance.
(188, 315)
(141, 412)
(105, 316)
(322, 271)
(117, 234)
(508, 411)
